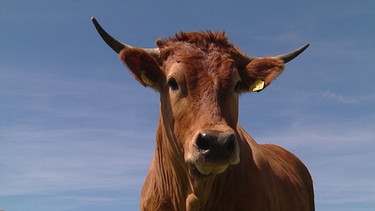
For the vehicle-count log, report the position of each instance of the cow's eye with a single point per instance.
(172, 83)
(237, 86)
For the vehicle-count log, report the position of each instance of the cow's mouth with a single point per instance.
(199, 170)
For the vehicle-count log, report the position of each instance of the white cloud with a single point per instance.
(339, 98)
(40, 161)
(324, 97)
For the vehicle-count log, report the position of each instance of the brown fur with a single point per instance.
(206, 69)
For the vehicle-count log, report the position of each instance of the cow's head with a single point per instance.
(200, 77)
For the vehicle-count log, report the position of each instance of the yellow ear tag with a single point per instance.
(145, 79)
(257, 86)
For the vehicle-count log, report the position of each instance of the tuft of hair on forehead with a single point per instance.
(195, 45)
(201, 39)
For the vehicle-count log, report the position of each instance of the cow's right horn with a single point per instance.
(117, 45)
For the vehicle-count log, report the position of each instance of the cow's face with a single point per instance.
(199, 98)
(201, 92)
(199, 77)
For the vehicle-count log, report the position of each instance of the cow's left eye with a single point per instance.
(172, 83)
(237, 86)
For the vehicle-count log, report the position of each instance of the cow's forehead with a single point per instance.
(193, 60)
(212, 67)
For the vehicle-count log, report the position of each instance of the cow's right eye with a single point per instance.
(172, 83)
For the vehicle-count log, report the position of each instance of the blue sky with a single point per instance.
(77, 132)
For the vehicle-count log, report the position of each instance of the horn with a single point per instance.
(289, 56)
(285, 57)
(117, 45)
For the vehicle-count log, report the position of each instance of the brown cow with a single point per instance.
(204, 160)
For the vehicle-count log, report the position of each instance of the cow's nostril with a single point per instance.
(231, 146)
(203, 142)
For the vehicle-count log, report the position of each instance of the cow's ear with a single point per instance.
(143, 66)
(259, 73)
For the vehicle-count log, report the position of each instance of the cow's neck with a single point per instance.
(169, 168)
(200, 191)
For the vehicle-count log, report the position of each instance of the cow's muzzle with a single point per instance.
(214, 151)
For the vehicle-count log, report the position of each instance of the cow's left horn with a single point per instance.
(289, 56)
(117, 45)
(285, 57)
